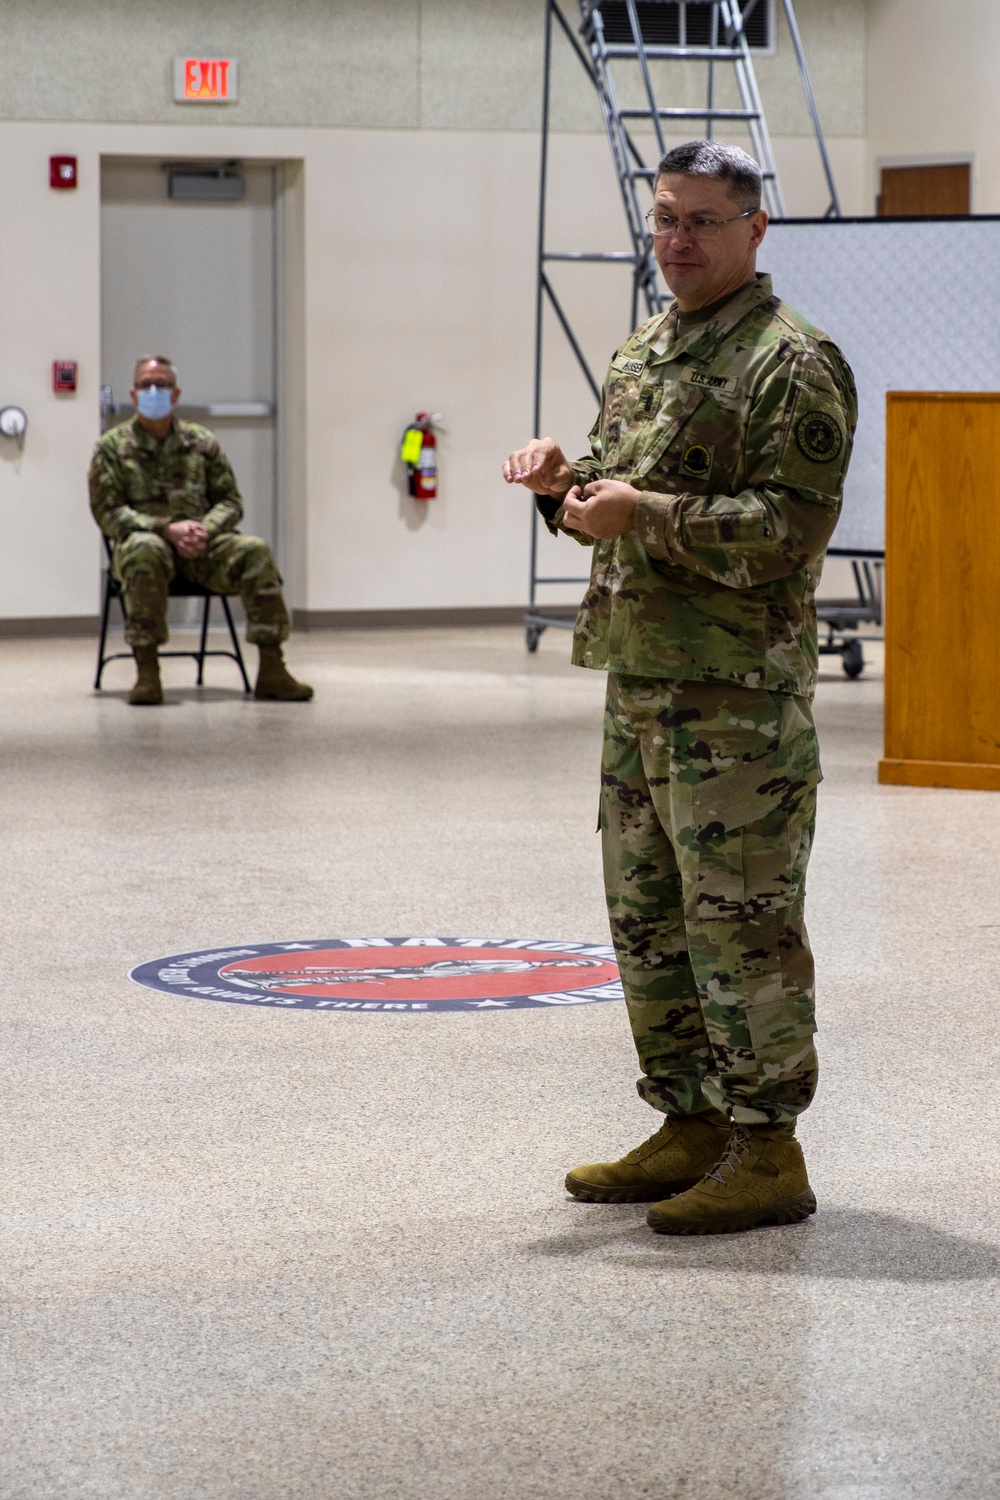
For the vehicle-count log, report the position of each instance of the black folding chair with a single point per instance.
(179, 588)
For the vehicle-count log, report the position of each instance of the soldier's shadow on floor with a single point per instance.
(846, 1244)
(176, 697)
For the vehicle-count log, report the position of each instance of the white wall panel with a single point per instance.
(413, 288)
(867, 284)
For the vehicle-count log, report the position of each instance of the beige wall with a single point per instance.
(406, 299)
(932, 89)
(359, 64)
(49, 272)
(409, 229)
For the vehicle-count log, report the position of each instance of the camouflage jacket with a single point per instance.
(738, 431)
(140, 483)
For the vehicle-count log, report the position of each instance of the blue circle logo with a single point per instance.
(414, 975)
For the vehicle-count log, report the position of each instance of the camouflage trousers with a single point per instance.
(708, 798)
(231, 564)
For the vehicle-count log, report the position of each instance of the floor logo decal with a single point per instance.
(393, 974)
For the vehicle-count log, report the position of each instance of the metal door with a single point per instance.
(195, 280)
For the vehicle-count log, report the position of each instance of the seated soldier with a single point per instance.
(165, 494)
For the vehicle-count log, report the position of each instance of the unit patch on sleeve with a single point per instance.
(815, 447)
(819, 437)
(697, 460)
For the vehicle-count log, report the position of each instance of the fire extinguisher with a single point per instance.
(419, 454)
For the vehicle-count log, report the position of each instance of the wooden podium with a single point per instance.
(942, 606)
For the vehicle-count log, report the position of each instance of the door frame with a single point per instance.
(289, 513)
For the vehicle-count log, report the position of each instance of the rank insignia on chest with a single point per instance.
(819, 437)
(697, 460)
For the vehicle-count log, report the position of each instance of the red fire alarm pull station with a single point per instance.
(64, 375)
(62, 171)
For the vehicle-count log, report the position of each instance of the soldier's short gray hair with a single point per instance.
(155, 359)
(718, 159)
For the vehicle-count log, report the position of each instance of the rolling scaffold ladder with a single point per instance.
(636, 33)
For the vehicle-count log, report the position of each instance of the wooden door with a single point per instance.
(920, 192)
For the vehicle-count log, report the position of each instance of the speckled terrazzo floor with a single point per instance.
(251, 1255)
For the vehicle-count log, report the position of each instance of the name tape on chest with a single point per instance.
(710, 381)
(628, 366)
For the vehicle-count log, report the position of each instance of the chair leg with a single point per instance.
(105, 613)
(236, 643)
(204, 639)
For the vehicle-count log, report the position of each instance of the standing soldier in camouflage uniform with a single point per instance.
(714, 485)
(163, 491)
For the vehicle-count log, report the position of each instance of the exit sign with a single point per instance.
(206, 80)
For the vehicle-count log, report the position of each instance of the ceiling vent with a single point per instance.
(205, 181)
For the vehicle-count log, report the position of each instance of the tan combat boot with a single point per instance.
(761, 1179)
(275, 681)
(148, 688)
(680, 1153)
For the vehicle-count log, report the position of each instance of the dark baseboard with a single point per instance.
(40, 627)
(405, 619)
(52, 626)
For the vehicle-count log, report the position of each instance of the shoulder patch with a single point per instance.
(819, 436)
(816, 446)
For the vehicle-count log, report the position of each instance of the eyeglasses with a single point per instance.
(155, 380)
(665, 225)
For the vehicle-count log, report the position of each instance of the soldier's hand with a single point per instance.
(189, 538)
(605, 508)
(541, 467)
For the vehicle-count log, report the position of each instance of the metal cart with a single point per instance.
(842, 617)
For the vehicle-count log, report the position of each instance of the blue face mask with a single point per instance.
(155, 402)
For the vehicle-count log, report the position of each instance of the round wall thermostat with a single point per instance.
(13, 421)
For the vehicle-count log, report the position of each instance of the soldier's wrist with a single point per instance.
(641, 511)
(648, 516)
